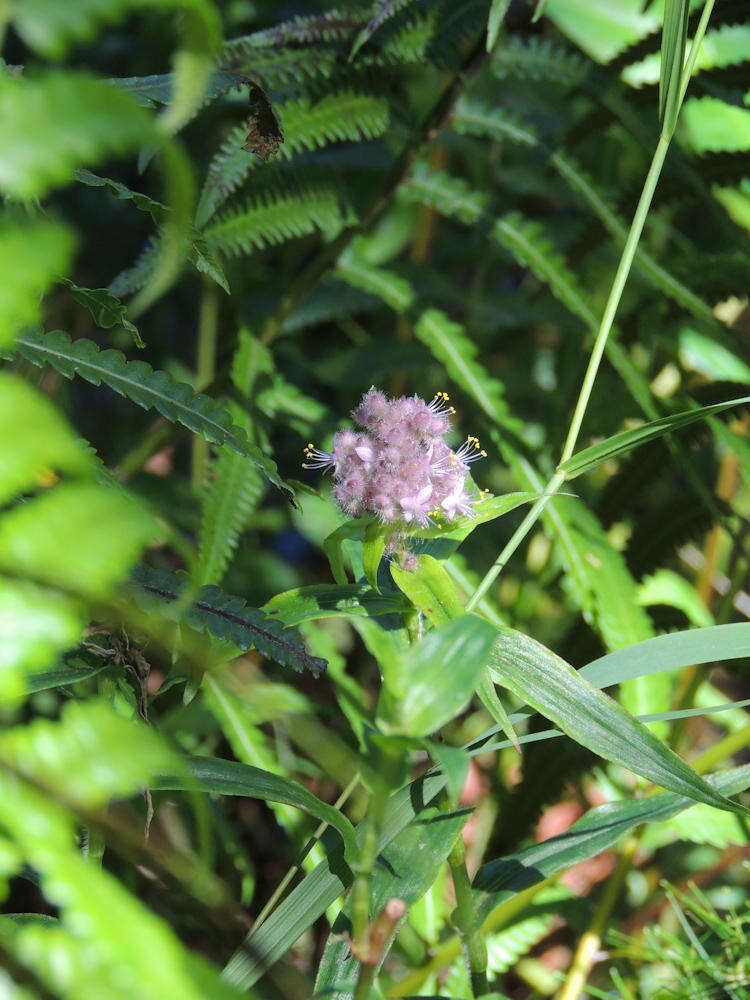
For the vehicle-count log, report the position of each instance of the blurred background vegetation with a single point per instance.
(437, 217)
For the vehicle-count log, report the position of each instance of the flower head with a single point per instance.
(399, 467)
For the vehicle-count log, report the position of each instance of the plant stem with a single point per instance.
(464, 919)
(591, 940)
(605, 327)
(279, 890)
(451, 949)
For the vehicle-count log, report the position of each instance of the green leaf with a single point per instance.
(489, 698)
(69, 121)
(498, 10)
(89, 756)
(449, 344)
(345, 115)
(51, 28)
(706, 356)
(333, 546)
(598, 830)
(405, 870)
(224, 777)
(715, 126)
(321, 887)
(485, 510)
(232, 495)
(148, 388)
(669, 588)
(92, 899)
(322, 600)
(392, 288)
(37, 625)
(36, 440)
(454, 763)
(142, 202)
(62, 676)
(674, 40)
(373, 547)
(429, 588)
(624, 442)
(596, 721)
(80, 537)
(531, 246)
(437, 676)
(670, 652)
(450, 196)
(274, 218)
(105, 307)
(32, 256)
(228, 619)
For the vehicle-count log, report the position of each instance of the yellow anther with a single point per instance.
(310, 444)
(483, 453)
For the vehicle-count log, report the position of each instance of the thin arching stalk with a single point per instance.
(605, 328)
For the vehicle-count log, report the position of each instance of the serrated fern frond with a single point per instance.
(148, 388)
(448, 342)
(450, 196)
(531, 247)
(391, 288)
(235, 488)
(275, 218)
(231, 497)
(506, 947)
(534, 58)
(331, 26)
(476, 119)
(306, 125)
(230, 619)
(133, 278)
(410, 43)
(331, 300)
(381, 12)
(275, 67)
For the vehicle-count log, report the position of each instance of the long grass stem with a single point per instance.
(605, 328)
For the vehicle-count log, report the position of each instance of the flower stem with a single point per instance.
(464, 919)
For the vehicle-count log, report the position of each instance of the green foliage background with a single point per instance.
(201, 659)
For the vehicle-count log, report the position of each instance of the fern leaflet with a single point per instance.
(148, 388)
(236, 488)
(449, 344)
(275, 218)
(306, 125)
(230, 619)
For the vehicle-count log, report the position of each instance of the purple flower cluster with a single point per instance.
(399, 468)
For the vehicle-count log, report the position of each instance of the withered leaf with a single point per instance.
(264, 134)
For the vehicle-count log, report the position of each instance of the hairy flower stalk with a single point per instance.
(399, 468)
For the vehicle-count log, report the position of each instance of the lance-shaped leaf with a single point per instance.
(599, 829)
(435, 677)
(674, 39)
(430, 589)
(592, 718)
(228, 777)
(618, 444)
(405, 871)
(105, 308)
